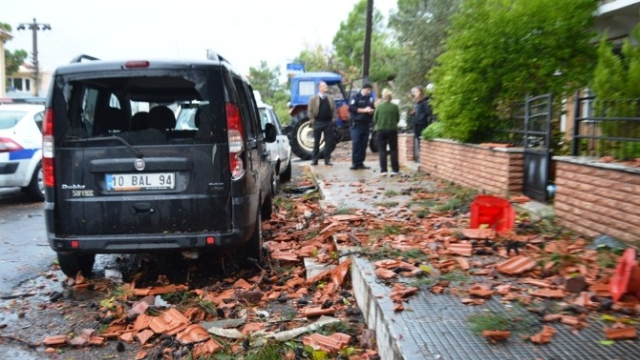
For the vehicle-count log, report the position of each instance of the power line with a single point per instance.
(34, 27)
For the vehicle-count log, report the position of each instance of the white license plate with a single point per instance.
(133, 182)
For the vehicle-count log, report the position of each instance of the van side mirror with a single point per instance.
(270, 132)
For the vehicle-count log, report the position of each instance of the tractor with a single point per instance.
(300, 131)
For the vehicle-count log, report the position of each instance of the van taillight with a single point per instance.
(235, 131)
(47, 148)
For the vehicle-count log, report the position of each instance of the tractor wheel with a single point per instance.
(301, 137)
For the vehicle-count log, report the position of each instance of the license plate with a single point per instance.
(134, 182)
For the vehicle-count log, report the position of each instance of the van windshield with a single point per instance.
(142, 108)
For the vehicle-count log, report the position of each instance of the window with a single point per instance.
(27, 84)
(307, 88)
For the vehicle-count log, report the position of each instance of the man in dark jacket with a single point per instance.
(321, 111)
(421, 117)
(361, 108)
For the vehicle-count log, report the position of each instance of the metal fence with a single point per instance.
(524, 124)
(606, 128)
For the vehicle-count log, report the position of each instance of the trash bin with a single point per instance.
(492, 212)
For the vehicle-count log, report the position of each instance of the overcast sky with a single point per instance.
(244, 31)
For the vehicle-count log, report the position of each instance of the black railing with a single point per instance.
(524, 124)
(606, 128)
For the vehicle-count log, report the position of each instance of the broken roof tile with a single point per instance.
(496, 335)
(516, 265)
(622, 333)
(464, 249)
(549, 293)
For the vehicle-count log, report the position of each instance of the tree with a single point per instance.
(13, 60)
(318, 58)
(349, 44)
(519, 47)
(265, 79)
(420, 28)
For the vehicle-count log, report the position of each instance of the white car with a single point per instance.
(21, 148)
(279, 150)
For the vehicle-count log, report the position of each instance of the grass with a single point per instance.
(340, 327)
(455, 276)
(390, 193)
(344, 211)
(387, 204)
(387, 252)
(526, 324)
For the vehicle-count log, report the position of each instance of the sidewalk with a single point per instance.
(436, 326)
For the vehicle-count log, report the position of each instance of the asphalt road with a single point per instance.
(24, 252)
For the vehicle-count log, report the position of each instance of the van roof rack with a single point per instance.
(81, 57)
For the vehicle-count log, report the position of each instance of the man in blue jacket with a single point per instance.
(361, 109)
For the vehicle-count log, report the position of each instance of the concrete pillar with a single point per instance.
(4, 36)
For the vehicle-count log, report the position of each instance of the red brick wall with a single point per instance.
(497, 171)
(598, 199)
(405, 148)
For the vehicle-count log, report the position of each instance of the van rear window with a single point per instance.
(154, 107)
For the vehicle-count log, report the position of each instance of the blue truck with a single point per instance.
(300, 131)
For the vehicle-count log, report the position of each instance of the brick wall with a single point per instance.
(497, 171)
(405, 148)
(594, 199)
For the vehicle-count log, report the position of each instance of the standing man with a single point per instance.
(321, 111)
(361, 110)
(421, 116)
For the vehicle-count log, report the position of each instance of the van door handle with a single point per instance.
(141, 208)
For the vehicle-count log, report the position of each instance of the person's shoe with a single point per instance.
(364, 167)
(329, 163)
(383, 173)
(353, 167)
(395, 173)
(314, 163)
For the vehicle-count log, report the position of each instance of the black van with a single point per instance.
(121, 178)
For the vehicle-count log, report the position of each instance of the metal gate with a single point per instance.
(537, 146)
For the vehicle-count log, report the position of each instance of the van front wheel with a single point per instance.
(72, 263)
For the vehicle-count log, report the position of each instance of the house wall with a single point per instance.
(498, 171)
(595, 198)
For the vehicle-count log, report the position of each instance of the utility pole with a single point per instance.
(367, 42)
(34, 27)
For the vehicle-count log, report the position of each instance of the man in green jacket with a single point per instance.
(386, 118)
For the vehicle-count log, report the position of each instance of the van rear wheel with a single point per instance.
(72, 263)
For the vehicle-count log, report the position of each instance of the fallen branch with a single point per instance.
(17, 339)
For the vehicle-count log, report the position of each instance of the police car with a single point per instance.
(21, 148)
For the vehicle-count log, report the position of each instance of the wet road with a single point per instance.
(23, 243)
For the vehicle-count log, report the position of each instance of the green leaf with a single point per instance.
(426, 269)
(608, 318)
(607, 342)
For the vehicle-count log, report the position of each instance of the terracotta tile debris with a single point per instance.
(331, 344)
(549, 293)
(463, 249)
(544, 336)
(496, 335)
(517, 265)
(55, 340)
(620, 333)
(480, 291)
(479, 233)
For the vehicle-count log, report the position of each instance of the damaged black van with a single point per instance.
(121, 177)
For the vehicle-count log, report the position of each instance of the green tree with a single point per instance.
(349, 44)
(615, 84)
(13, 60)
(420, 28)
(499, 51)
(265, 79)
